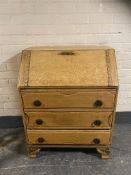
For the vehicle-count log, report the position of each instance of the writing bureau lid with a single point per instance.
(68, 67)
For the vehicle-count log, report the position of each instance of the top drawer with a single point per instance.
(45, 99)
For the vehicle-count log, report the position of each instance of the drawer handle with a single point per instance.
(40, 140)
(96, 141)
(37, 103)
(98, 103)
(39, 121)
(97, 122)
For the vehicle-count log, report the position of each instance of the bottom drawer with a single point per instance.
(77, 137)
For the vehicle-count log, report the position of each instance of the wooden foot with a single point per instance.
(33, 152)
(104, 153)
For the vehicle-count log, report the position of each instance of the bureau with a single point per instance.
(68, 97)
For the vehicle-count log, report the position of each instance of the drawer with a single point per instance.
(69, 99)
(78, 137)
(91, 120)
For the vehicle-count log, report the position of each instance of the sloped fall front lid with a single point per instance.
(68, 67)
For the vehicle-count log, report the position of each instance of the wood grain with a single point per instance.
(69, 99)
(68, 137)
(78, 69)
(69, 120)
(87, 67)
(66, 82)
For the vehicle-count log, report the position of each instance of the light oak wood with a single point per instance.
(113, 68)
(24, 69)
(58, 48)
(104, 152)
(83, 68)
(69, 99)
(54, 120)
(59, 89)
(65, 70)
(68, 137)
(33, 151)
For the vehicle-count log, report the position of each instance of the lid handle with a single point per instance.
(67, 53)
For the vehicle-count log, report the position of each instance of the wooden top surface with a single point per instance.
(68, 67)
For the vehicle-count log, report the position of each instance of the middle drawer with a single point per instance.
(46, 120)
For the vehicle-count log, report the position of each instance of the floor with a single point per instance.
(14, 161)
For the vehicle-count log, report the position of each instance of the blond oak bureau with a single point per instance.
(69, 97)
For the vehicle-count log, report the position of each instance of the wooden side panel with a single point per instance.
(68, 137)
(70, 99)
(24, 69)
(113, 68)
(51, 120)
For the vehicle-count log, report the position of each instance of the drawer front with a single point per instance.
(92, 120)
(79, 137)
(69, 99)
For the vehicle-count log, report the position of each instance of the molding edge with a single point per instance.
(16, 121)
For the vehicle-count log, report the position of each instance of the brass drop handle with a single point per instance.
(96, 141)
(97, 122)
(37, 103)
(98, 103)
(39, 121)
(40, 140)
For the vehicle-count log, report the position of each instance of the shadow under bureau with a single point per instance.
(68, 97)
